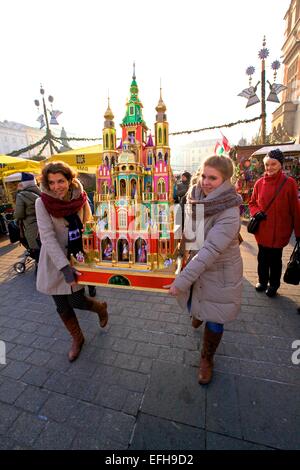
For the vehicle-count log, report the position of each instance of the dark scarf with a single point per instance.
(74, 235)
(225, 200)
(68, 210)
(60, 208)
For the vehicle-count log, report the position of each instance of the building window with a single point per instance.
(131, 110)
(292, 81)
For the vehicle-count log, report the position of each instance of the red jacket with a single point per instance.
(284, 214)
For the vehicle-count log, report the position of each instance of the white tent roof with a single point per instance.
(283, 148)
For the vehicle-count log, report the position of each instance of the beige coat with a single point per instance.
(53, 257)
(216, 270)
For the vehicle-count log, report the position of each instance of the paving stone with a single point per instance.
(10, 390)
(36, 376)
(222, 406)
(8, 415)
(26, 428)
(147, 350)
(132, 403)
(173, 393)
(19, 352)
(39, 358)
(152, 433)
(267, 417)
(55, 437)
(32, 399)
(127, 361)
(111, 396)
(85, 416)
(58, 407)
(15, 369)
(116, 426)
(124, 346)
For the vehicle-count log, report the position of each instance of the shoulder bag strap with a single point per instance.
(276, 194)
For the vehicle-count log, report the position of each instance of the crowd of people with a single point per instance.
(210, 283)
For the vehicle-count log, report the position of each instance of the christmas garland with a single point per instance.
(231, 124)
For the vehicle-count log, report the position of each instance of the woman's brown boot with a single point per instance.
(74, 329)
(100, 308)
(196, 323)
(211, 341)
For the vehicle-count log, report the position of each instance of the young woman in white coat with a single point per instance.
(61, 211)
(210, 285)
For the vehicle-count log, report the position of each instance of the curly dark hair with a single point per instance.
(59, 167)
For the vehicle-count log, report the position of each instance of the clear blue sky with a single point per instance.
(78, 50)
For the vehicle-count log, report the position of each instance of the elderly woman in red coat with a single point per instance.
(277, 225)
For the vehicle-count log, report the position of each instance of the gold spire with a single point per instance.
(161, 107)
(108, 113)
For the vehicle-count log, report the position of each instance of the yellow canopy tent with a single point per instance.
(84, 159)
(9, 165)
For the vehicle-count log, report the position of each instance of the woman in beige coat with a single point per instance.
(210, 285)
(61, 212)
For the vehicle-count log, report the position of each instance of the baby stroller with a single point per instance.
(16, 234)
(29, 257)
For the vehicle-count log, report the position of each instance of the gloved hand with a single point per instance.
(260, 215)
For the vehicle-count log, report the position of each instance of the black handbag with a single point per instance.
(292, 272)
(255, 220)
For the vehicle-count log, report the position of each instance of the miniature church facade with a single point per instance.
(134, 220)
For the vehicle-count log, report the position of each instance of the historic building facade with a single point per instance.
(286, 118)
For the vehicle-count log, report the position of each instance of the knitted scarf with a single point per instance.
(61, 208)
(226, 199)
(68, 209)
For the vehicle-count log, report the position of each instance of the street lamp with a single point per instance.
(43, 118)
(275, 88)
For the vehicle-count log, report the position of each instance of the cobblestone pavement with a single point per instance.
(134, 385)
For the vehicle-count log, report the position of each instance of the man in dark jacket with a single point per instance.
(28, 193)
(182, 189)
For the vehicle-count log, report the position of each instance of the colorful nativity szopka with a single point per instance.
(131, 240)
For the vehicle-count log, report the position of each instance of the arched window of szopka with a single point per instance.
(104, 188)
(160, 156)
(122, 187)
(112, 141)
(113, 161)
(106, 160)
(149, 158)
(165, 136)
(131, 110)
(159, 135)
(106, 140)
(123, 250)
(166, 157)
(161, 186)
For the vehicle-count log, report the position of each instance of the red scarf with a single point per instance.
(60, 208)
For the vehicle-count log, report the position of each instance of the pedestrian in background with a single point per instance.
(210, 284)
(277, 224)
(28, 192)
(61, 212)
(182, 189)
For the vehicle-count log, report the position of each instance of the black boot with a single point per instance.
(92, 291)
